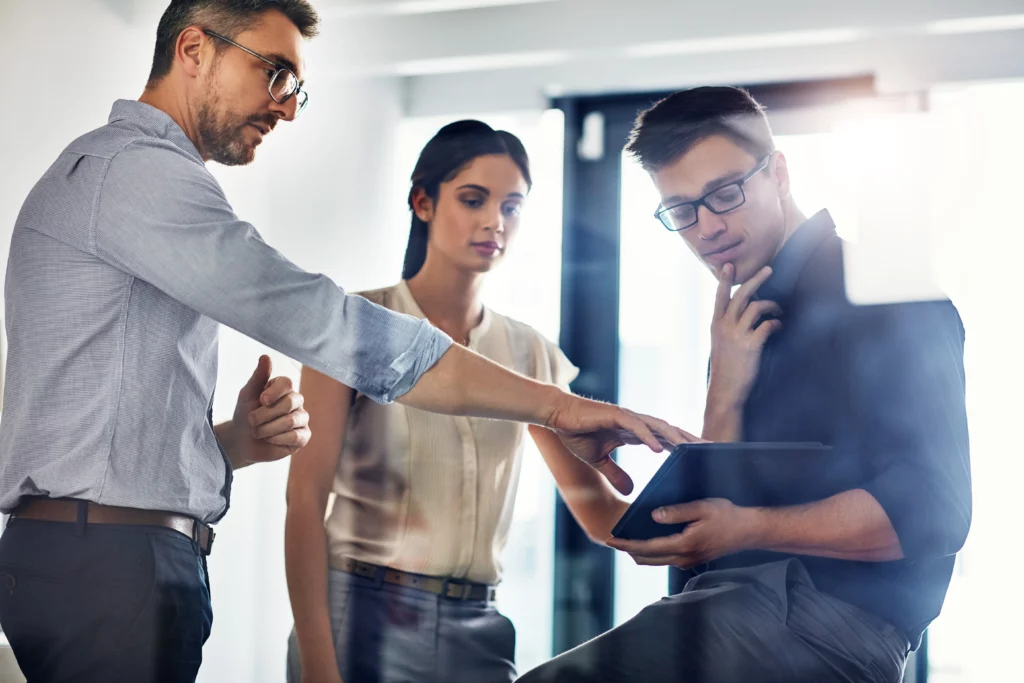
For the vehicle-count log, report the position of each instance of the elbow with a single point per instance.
(599, 530)
(958, 534)
(955, 527)
(306, 501)
(596, 511)
(944, 537)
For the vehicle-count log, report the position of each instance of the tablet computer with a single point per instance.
(748, 474)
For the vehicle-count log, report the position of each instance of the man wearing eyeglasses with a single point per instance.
(843, 588)
(124, 259)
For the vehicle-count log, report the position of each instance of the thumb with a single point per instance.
(259, 378)
(615, 475)
(679, 514)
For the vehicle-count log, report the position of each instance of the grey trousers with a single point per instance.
(391, 634)
(763, 624)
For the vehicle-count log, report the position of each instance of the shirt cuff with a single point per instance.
(426, 349)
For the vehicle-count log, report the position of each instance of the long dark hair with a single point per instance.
(452, 149)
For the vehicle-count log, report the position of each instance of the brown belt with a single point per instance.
(448, 588)
(64, 510)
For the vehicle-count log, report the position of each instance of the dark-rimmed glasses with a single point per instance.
(720, 200)
(283, 81)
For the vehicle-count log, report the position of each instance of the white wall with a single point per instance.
(318, 191)
(66, 63)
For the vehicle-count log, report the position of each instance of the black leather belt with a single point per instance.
(453, 589)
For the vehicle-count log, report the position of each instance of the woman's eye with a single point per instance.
(512, 210)
(472, 202)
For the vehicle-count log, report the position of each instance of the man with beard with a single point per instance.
(125, 257)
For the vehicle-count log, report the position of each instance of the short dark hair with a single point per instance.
(227, 17)
(451, 150)
(670, 128)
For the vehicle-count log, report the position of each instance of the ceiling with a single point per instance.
(517, 52)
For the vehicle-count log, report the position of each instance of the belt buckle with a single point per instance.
(197, 536)
(461, 594)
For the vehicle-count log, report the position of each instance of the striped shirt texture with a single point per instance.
(125, 259)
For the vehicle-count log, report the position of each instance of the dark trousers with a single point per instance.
(395, 634)
(764, 624)
(103, 603)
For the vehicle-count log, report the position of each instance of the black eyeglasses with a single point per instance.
(720, 200)
(283, 81)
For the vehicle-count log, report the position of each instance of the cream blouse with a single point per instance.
(433, 494)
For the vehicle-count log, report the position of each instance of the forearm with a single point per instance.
(723, 419)
(848, 526)
(596, 511)
(464, 383)
(590, 498)
(306, 570)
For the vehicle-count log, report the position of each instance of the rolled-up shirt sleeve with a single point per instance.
(908, 388)
(163, 218)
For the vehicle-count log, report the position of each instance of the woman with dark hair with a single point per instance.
(398, 583)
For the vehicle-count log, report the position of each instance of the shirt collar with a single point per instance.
(153, 121)
(793, 256)
(406, 300)
(409, 306)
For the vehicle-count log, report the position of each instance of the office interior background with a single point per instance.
(905, 119)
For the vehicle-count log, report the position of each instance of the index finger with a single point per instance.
(637, 426)
(668, 434)
(724, 291)
(749, 288)
(291, 402)
(277, 388)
